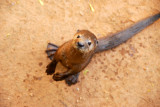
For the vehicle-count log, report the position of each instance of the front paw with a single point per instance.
(58, 77)
(49, 72)
(51, 67)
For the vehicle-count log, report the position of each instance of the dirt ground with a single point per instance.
(128, 75)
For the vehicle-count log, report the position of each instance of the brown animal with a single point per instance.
(75, 54)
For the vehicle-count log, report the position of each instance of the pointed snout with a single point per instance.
(80, 44)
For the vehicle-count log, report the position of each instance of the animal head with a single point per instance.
(84, 41)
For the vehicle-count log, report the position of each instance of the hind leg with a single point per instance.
(53, 45)
(73, 79)
(51, 49)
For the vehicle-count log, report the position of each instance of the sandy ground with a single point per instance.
(128, 75)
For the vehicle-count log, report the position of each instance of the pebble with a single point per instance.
(31, 94)
(77, 101)
(77, 89)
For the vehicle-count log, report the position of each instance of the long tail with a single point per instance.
(51, 49)
(114, 40)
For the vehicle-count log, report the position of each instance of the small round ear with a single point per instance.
(97, 42)
(78, 30)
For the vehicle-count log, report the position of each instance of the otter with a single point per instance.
(75, 55)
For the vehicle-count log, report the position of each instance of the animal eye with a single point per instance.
(78, 36)
(97, 42)
(89, 43)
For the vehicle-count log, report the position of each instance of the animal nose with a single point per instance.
(80, 44)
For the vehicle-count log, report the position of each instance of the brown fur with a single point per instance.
(75, 57)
